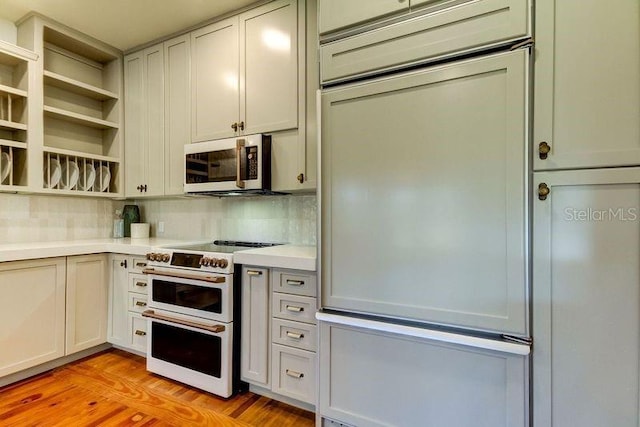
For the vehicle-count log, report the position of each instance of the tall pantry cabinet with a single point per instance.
(586, 244)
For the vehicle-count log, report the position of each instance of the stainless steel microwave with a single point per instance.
(232, 165)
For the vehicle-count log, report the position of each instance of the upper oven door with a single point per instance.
(204, 299)
(228, 164)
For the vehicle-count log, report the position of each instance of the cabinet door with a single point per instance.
(134, 99)
(370, 378)
(255, 366)
(214, 80)
(337, 14)
(177, 110)
(117, 330)
(587, 91)
(586, 293)
(144, 131)
(87, 289)
(269, 67)
(154, 120)
(31, 313)
(438, 171)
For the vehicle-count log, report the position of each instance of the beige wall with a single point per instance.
(31, 218)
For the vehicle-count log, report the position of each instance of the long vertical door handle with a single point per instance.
(239, 146)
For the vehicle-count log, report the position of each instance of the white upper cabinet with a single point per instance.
(269, 66)
(337, 14)
(215, 81)
(587, 90)
(244, 73)
(144, 115)
(441, 29)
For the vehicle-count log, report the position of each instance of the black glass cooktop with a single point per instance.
(223, 246)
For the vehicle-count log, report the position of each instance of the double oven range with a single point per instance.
(194, 315)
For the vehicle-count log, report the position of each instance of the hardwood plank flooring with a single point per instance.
(113, 388)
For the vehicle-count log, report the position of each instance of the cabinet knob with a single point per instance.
(543, 191)
(241, 125)
(543, 150)
(142, 188)
(301, 178)
(234, 126)
(123, 263)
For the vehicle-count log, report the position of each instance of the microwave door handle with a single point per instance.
(239, 146)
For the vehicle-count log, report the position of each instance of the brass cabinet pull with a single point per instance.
(140, 333)
(141, 264)
(234, 126)
(295, 335)
(300, 178)
(141, 303)
(211, 328)
(294, 308)
(294, 374)
(239, 146)
(295, 282)
(141, 284)
(241, 125)
(254, 272)
(543, 150)
(543, 191)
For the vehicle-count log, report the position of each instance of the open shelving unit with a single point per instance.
(15, 65)
(80, 107)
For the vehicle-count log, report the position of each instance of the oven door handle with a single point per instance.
(211, 328)
(182, 275)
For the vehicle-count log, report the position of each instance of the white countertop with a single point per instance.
(22, 251)
(284, 256)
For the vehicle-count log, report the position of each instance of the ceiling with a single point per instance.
(123, 24)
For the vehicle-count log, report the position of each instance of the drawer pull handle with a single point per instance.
(295, 335)
(294, 374)
(141, 333)
(295, 282)
(141, 303)
(141, 284)
(141, 264)
(254, 272)
(295, 308)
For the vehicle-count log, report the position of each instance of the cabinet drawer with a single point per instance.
(137, 302)
(138, 264)
(291, 282)
(294, 334)
(467, 27)
(138, 283)
(294, 373)
(294, 307)
(137, 332)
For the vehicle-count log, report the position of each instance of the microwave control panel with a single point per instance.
(252, 162)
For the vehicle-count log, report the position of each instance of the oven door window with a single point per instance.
(198, 351)
(201, 298)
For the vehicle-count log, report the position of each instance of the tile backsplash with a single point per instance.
(290, 219)
(36, 218)
(31, 218)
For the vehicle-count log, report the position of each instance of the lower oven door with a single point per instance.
(192, 296)
(188, 350)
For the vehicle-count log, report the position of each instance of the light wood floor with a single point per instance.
(113, 388)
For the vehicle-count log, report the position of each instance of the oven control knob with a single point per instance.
(165, 258)
(149, 256)
(206, 261)
(214, 262)
(223, 263)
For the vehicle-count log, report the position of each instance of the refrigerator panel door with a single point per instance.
(372, 378)
(586, 299)
(423, 195)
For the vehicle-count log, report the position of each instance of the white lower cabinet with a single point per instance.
(279, 331)
(86, 313)
(254, 367)
(374, 378)
(127, 300)
(586, 298)
(32, 313)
